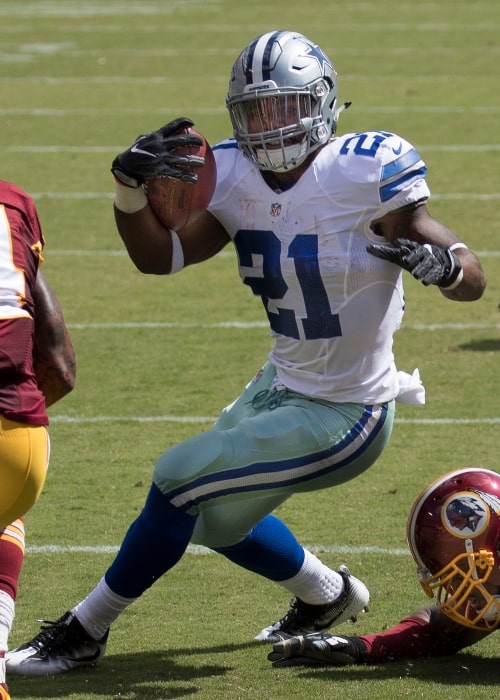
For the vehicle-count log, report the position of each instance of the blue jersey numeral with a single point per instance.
(270, 286)
(364, 144)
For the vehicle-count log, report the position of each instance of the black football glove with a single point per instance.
(154, 155)
(428, 263)
(318, 649)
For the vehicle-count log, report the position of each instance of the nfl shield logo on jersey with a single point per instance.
(275, 209)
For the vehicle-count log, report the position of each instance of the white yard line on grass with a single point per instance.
(198, 549)
(487, 420)
(264, 324)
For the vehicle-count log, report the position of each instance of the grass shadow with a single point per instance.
(483, 345)
(461, 669)
(134, 676)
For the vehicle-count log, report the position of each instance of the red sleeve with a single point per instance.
(425, 633)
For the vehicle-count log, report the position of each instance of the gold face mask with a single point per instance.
(462, 592)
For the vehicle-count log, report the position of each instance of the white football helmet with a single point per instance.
(454, 535)
(282, 100)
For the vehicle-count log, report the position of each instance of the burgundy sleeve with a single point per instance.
(425, 633)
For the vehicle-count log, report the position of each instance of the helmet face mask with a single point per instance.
(282, 100)
(454, 535)
(461, 591)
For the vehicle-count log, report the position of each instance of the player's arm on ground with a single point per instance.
(53, 352)
(427, 633)
(421, 245)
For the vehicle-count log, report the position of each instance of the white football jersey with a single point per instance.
(332, 307)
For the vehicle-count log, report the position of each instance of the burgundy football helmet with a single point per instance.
(453, 533)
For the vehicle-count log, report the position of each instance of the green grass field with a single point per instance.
(158, 358)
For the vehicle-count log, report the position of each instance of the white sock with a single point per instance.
(100, 608)
(315, 583)
(7, 610)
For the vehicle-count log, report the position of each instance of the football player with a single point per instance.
(37, 367)
(454, 535)
(323, 226)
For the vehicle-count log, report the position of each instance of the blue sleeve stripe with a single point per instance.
(392, 188)
(397, 166)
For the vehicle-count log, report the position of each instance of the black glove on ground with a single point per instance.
(428, 263)
(318, 649)
(154, 155)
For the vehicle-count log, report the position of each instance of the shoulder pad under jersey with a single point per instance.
(379, 156)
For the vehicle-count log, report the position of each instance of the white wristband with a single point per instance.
(129, 199)
(457, 246)
(455, 283)
(460, 276)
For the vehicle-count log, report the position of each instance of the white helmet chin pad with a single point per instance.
(281, 159)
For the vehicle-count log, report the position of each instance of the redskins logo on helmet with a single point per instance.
(465, 515)
(454, 536)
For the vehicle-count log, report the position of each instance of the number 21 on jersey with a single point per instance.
(270, 285)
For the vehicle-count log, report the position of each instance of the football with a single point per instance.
(177, 203)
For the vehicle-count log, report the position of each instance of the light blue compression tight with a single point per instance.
(219, 488)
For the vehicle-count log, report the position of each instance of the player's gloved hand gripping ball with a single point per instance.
(176, 168)
(155, 155)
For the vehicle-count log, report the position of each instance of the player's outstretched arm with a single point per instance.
(430, 252)
(425, 633)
